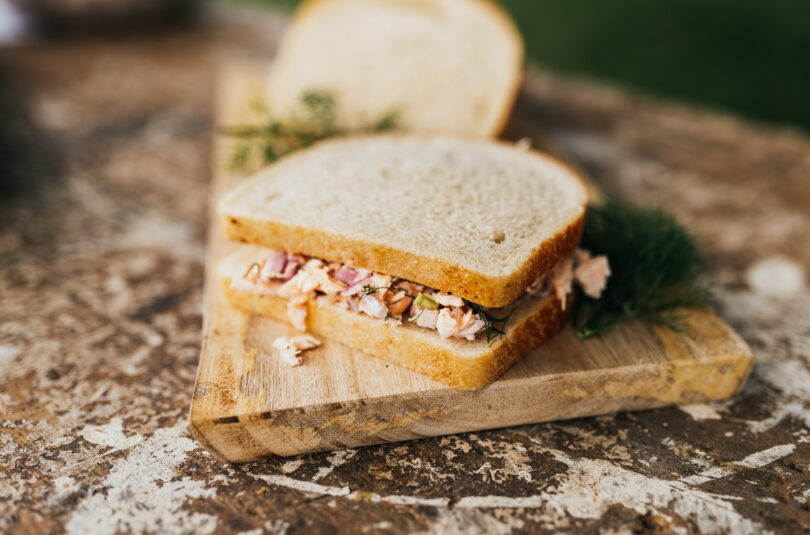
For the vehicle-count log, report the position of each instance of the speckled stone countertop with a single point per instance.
(105, 150)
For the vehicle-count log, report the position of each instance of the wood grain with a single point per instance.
(247, 404)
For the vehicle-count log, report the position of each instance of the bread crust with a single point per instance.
(432, 272)
(497, 128)
(500, 125)
(486, 290)
(462, 364)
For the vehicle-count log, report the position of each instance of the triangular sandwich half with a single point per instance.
(412, 248)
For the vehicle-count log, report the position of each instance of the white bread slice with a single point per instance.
(462, 364)
(451, 66)
(476, 218)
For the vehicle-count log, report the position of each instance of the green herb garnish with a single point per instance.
(254, 265)
(494, 327)
(272, 138)
(368, 290)
(655, 266)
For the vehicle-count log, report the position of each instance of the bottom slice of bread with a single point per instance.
(463, 364)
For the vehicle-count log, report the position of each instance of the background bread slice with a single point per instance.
(463, 364)
(473, 217)
(449, 66)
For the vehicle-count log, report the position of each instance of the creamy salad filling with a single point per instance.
(289, 348)
(301, 279)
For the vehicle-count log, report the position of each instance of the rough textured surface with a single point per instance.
(104, 169)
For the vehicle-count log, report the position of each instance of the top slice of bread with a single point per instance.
(451, 66)
(477, 218)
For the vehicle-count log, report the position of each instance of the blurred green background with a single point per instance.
(749, 57)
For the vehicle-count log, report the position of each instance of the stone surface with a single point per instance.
(104, 165)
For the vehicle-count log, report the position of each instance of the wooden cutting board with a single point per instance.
(248, 404)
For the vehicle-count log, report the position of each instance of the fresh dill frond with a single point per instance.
(655, 268)
(494, 327)
(240, 157)
(271, 138)
(254, 265)
(320, 106)
(387, 122)
(368, 290)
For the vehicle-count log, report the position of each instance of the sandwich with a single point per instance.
(450, 66)
(452, 257)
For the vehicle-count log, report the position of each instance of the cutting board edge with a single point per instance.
(244, 437)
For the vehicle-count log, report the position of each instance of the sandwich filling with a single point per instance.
(302, 279)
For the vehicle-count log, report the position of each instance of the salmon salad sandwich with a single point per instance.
(451, 257)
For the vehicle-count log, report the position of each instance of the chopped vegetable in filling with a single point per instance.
(302, 279)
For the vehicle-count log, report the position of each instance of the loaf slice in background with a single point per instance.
(451, 66)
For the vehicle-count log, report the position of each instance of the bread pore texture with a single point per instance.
(476, 218)
(451, 66)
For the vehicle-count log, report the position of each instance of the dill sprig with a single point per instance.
(494, 327)
(655, 268)
(271, 138)
(368, 290)
(254, 265)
